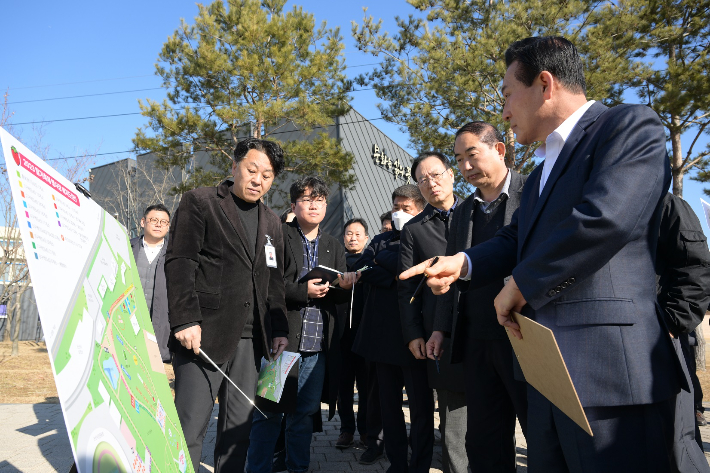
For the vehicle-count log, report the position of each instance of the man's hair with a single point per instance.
(410, 191)
(284, 215)
(386, 216)
(356, 220)
(553, 54)
(270, 148)
(158, 207)
(318, 188)
(485, 132)
(444, 160)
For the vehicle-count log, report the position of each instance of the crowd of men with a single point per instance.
(590, 245)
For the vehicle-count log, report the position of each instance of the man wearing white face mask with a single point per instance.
(380, 339)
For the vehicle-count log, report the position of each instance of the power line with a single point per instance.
(80, 82)
(270, 134)
(82, 96)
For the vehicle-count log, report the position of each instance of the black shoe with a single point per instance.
(700, 419)
(344, 441)
(371, 455)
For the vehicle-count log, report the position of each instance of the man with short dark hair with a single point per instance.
(386, 222)
(493, 396)
(424, 237)
(224, 269)
(314, 329)
(380, 339)
(354, 367)
(149, 252)
(581, 252)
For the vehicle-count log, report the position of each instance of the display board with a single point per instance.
(112, 386)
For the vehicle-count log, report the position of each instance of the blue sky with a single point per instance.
(54, 50)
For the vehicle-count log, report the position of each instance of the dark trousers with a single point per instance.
(373, 420)
(494, 398)
(392, 379)
(353, 370)
(626, 438)
(197, 384)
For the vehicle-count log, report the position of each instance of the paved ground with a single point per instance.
(33, 439)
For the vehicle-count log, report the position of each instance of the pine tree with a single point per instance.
(443, 68)
(246, 67)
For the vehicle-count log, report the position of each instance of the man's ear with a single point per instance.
(143, 222)
(547, 81)
(500, 148)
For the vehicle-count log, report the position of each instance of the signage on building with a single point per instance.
(379, 156)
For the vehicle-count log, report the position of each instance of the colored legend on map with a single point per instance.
(27, 214)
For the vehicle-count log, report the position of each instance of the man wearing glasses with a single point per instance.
(149, 253)
(314, 330)
(422, 238)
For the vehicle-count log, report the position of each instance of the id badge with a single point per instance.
(270, 253)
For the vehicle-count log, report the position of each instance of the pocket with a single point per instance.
(208, 300)
(694, 246)
(598, 311)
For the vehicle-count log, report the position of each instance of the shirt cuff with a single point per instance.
(467, 276)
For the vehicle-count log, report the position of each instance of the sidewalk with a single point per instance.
(34, 440)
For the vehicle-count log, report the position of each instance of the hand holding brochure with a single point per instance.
(272, 376)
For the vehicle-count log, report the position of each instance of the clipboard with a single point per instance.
(545, 370)
(287, 405)
(321, 272)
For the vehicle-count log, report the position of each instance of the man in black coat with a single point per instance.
(683, 275)
(314, 329)
(149, 252)
(380, 339)
(493, 396)
(422, 238)
(224, 271)
(354, 367)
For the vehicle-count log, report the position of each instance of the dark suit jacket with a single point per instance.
(448, 318)
(682, 266)
(424, 237)
(379, 337)
(159, 314)
(213, 280)
(582, 254)
(331, 254)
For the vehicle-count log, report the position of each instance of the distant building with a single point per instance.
(124, 188)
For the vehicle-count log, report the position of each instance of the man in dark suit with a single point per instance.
(493, 396)
(581, 251)
(380, 339)
(422, 238)
(149, 252)
(314, 329)
(224, 270)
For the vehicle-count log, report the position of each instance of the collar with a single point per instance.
(563, 131)
(303, 235)
(154, 247)
(477, 196)
(446, 213)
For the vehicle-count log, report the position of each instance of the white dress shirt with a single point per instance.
(550, 151)
(152, 251)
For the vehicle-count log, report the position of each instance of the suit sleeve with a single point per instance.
(296, 294)
(187, 235)
(493, 259)
(377, 275)
(276, 299)
(410, 314)
(619, 197)
(684, 284)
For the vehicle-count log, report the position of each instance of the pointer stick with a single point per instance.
(207, 359)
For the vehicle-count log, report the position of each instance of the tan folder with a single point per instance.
(545, 369)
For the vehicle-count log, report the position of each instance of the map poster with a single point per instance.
(113, 390)
(272, 376)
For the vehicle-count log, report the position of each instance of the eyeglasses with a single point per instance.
(155, 221)
(307, 201)
(351, 234)
(434, 179)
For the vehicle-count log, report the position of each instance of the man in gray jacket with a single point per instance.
(149, 253)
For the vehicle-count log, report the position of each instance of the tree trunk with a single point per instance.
(510, 149)
(17, 317)
(677, 170)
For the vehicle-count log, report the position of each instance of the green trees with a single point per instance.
(668, 41)
(248, 68)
